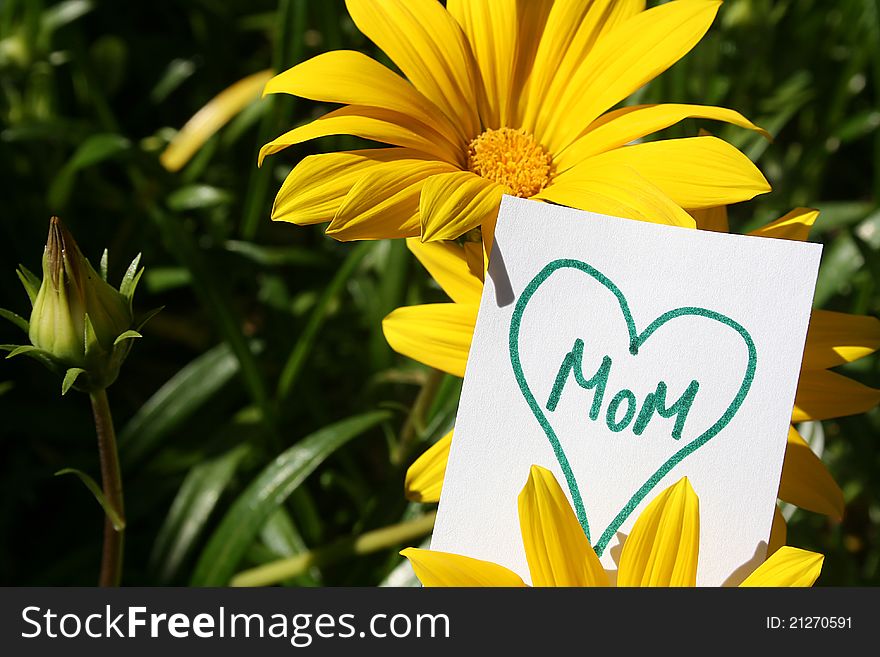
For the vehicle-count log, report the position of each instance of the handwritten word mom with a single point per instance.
(622, 408)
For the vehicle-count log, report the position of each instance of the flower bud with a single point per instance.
(80, 325)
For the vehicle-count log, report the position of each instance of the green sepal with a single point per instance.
(115, 519)
(90, 338)
(31, 351)
(70, 378)
(18, 349)
(31, 283)
(105, 259)
(133, 286)
(131, 278)
(128, 335)
(148, 316)
(18, 320)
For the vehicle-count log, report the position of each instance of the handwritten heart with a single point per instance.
(636, 340)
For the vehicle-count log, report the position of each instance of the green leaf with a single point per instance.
(176, 401)
(16, 319)
(98, 148)
(241, 124)
(63, 14)
(70, 378)
(281, 536)
(840, 260)
(267, 492)
(273, 256)
(31, 283)
(128, 335)
(182, 244)
(192, 507)
(92, 151)
(118, 522)
(197, 197)
(838, 214)
(175, 73)
(858, 126)
(284, 539)
(163, 279)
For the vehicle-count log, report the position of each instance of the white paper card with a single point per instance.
(627, 355)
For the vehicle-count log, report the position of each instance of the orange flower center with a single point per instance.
(512, 158)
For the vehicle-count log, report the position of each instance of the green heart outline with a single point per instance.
(636, 340)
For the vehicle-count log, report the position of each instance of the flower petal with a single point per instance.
(475, 253)
(618, 191)
(573, 28)
(627, 124)
(491, 30)
(424, 478)
(314, 190)
(793, 226)
(788, 566)
(372, 123)
(352, 78)
(837, 338)
(778, 532)
(216, 113)
(453, 203)
(714, 219)
(557, 549)
(622, 61)
(696, 172)
(822, 395)
(664, 544)
(532, 16)
(448, 265)
(430, 48)
(435, 568)
(438, 335)
(806, 481)
(384, 202)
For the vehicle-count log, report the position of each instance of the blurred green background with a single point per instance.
(272, 332)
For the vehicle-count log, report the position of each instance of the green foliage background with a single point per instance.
(272, 332)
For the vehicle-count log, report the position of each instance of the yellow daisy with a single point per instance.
(661, 550)
(504, 97)
(439, 335)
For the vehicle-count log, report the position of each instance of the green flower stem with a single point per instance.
(367, 543)
(111, 479)
(415, 421)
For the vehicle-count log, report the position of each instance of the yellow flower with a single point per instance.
(504, 97)
(661, 550)
(439, 335)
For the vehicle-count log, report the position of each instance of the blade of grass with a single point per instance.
(303, 346)
(176, 401)
(181, 243)
(190, 511)
(267, 492)
(288, 50)
(282, 536)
